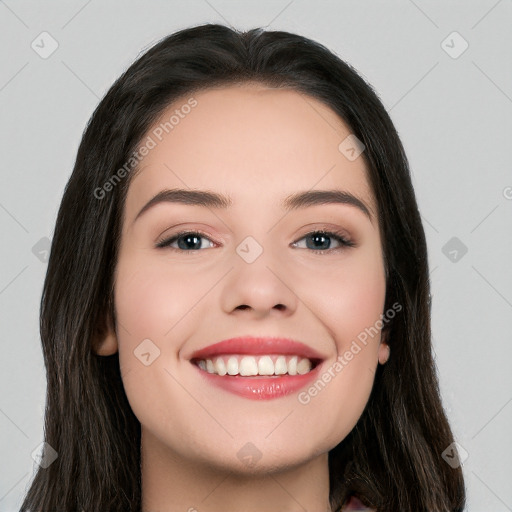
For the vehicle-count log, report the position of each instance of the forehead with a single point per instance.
(251, 142)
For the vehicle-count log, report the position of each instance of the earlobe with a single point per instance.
(384, 352)
(105, 341)
(384, 348)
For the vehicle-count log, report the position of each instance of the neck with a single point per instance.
(172, 483)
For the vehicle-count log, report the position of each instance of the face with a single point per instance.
(255, 268)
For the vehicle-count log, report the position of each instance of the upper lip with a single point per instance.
(257, 345)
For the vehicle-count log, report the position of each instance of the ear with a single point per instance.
(384, 349)
(105, 338)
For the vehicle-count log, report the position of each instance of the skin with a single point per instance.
(257, 145)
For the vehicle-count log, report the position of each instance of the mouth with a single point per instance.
(258, 368)
(266, 365)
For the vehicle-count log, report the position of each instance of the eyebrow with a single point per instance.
(208, 199)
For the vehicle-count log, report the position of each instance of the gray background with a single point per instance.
(453, 113)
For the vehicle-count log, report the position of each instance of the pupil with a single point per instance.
(319, 236)
(196, 243)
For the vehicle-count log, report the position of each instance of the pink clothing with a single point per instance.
(355, 505)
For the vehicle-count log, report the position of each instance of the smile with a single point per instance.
(261, 365)
(256, 367)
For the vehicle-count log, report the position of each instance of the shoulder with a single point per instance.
(354, 504)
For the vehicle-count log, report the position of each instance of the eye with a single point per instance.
(190, 240)
(321, 238)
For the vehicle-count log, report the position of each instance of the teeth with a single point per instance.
(232, 366)
(265, 366)
(292, 366)
(248, 366)
(303, 366)
(220, 367)
(280, 367)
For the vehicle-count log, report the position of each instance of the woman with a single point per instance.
(200, 353)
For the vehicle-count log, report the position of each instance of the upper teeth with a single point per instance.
(256, 365)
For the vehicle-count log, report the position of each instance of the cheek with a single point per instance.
(150, 302)
(349, 296)
(151, 298)
(349, 301)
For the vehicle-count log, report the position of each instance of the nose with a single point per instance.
(258, 289)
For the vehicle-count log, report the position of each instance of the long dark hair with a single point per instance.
(392, 459)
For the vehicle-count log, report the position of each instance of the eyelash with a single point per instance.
(338, 236)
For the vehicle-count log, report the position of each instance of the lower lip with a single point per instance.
(260, 388)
